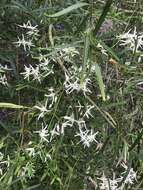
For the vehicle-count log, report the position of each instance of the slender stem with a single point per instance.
(103, 16)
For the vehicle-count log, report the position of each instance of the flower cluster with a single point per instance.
(128, 177)
(31, 34)
(134, 41)
(32, 30)
(86, 136)
(51, 99)
(108, 184)
(31, 71)
(73, 83)
(25, 43)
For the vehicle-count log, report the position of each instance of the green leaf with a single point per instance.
(103, 16)
(12, 106)
(100, 81)
(68, 9)
(86, 54)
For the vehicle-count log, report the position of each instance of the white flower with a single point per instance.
(3, 80)
(87, 136)
(31, 71)
(32, 29)
(84, 86)
(88, 111)
(28, 26)
(55, 132)
(43, 133)
(51, 97)
(73, 84)
(25, 43)
(44, 62)
(108, 184)
(27, 73)
(81, 123)
(36, 74)
(69, 121)
(79, 106)
(70, 50)
(132, 40)
(43, 110)
(44, 65)
(67, 53)
(131, 175)
(64, 125)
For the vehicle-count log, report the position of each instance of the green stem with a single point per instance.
(86, 52)
(103, 16)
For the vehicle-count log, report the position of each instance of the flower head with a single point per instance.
(131, 175)
(88, 111)
(132, 40)
(52, 98)
(108, 184)
(56, 131)
(32, 30)
(31, 71)
(43, 110)
(45, 66)
(73, 84)
(43, 133)
(86, 136)
(25, 43)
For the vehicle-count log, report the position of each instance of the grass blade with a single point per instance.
(103, 16)
(100, 81)
(68, 10)
(12, 106)
(86, 53)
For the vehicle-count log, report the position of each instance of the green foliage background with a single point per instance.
(119, 119)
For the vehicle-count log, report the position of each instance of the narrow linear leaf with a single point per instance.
(68, 9)
(103, 16)
(12, 106)
(86, 53)
(100, 81)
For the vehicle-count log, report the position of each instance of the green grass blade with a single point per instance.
(100, 81)
(12, 106)
(68, 10)
(86, 53)
(103, 16)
